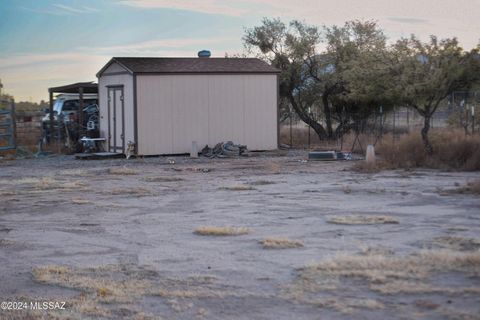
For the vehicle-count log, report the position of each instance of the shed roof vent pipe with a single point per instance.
(204, 54)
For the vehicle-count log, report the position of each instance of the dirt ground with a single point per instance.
(270, 236)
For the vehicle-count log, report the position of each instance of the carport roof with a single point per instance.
(88, 87)
(192, 65)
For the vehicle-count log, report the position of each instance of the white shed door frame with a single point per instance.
(116, 119)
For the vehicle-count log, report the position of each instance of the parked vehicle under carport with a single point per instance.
(73, 115)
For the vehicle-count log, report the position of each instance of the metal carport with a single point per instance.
(79, 88)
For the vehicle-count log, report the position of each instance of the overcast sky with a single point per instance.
(45, 43)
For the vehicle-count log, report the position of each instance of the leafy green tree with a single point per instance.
(359, 81)
(349, 77)
(427, 72)
(288, 48)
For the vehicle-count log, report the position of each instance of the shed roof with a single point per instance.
(193, 65)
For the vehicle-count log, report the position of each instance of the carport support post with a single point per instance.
(50, 137)
(80, 114)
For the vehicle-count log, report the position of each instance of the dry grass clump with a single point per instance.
(367, 167)
(7, 193)
(456, 243)
(280, 243)
(137, 192)
(24, 180)
(221, 231)
(122, 171)
(47, 183)
(5, 242)
(239, 187)
(374, 251)
(411, 287)
(81, 201)
(162, 179)
(346, 306)
(273, 168)
(75, 173)
(107, 289)
(261, 183)
(451, 150)
(472, 187)
(95, 281)
(388, 275)
(384, 273)
(360, 219)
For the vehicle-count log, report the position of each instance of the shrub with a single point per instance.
(452, 150)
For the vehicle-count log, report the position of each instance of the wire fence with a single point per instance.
(401, 120)
(7, 125)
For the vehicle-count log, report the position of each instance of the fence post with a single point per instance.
(291, 130)
(408, 120)
(473, 119)
(309, 136)
(50, 137)
(393, 133)
(14, 124)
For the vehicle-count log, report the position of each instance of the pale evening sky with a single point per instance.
(55, 42)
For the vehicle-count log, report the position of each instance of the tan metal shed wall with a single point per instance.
(112, 80)
(174, 110)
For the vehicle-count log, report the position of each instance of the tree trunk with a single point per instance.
(426, 127)
(328, 116)
(343, 128)
(305, 117)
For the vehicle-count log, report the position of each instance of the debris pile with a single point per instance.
(223, 150)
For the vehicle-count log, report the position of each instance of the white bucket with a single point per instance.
(370, 156)
(194, 150)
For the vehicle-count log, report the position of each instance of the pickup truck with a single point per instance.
(66, 114)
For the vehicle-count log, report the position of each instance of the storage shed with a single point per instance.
(164, 104)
